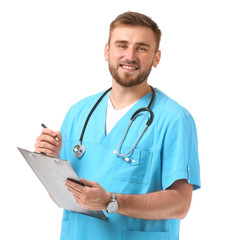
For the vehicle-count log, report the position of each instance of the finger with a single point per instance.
(43, 146)
(46, 151)
(73, 186)
(89, 183)
(51, 197)
(47, 138)
(47, 146)
(49, 132)
(52, 151)
(75, 195)
(40, 143)
(74, 190)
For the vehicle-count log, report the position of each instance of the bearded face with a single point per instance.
(128, 73)
(131, 53)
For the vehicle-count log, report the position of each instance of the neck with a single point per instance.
(122, 97)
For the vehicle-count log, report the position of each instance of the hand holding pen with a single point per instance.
(49, 142)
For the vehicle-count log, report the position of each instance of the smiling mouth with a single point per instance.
(129, 67)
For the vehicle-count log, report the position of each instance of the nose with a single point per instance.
(130, 54)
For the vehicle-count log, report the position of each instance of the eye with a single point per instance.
(142, 49)
(123, 46)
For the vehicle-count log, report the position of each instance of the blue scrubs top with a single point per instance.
(166, 152)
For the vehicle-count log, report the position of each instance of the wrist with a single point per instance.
(113, 204)
(108, 197)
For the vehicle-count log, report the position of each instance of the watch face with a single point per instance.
(112, 207)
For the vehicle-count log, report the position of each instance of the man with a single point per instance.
(151, 187)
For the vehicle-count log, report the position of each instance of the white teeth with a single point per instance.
(128, 67)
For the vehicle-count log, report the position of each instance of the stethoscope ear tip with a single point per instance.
(125, 159)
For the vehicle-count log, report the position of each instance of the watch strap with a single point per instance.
(113, 197)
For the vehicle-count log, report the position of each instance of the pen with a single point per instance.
(44, 126)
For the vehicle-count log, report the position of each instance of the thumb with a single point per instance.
(88, 183)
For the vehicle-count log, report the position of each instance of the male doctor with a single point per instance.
(146, 195)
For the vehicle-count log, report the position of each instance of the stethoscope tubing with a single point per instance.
(90, 113)
(141, 110)
(79, 149)
(119, 146)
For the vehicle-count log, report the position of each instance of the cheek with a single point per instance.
(114, 60)
(115, 55)
(146, 62)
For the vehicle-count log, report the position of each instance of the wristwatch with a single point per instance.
(113, 204)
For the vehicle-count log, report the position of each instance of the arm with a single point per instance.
(167, 204)
(173, 202)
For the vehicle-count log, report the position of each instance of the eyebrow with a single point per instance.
(138, 43)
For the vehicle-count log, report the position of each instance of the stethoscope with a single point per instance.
(79, 149)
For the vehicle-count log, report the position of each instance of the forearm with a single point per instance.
(167, 204)
(171, 203)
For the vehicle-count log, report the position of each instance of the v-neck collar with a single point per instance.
(114, 115)
(120, 127)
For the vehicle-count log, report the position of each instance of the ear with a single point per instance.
(106, 52)
(157, 58)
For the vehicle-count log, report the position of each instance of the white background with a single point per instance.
(51, 56)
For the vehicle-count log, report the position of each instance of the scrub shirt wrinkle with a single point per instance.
(166, 152)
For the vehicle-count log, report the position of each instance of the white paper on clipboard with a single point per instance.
(53, 172)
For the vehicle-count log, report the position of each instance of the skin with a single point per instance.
(47, 144)
(131, 55)
(130, 47)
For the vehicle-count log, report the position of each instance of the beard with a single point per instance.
(127, 80)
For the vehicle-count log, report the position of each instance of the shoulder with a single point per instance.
(78, 112)
(170, 111)
(84, 104)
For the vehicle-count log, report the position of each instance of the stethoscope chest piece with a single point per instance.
(79, 150)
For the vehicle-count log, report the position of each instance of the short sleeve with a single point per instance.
(180, 150)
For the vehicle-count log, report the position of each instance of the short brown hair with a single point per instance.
(136, 19)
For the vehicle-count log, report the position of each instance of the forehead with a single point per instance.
(133, 34)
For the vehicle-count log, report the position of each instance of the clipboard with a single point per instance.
(53, 172)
